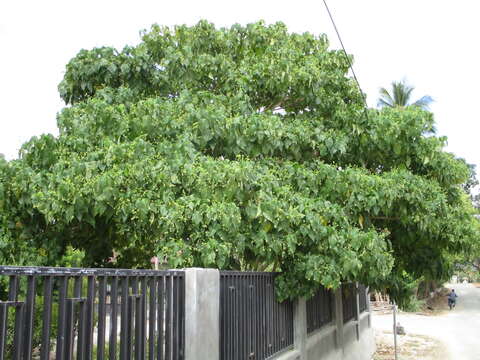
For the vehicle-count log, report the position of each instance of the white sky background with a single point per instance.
(432, 43)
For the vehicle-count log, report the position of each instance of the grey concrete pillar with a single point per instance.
(357, 311)
(339, 318)
(202, 314)
(300, 327)
(368, 307)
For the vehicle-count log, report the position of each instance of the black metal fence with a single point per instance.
(253, 325)
(88, 314)
(363, 297)
(319, 309)
(96, 314)
(349, 301)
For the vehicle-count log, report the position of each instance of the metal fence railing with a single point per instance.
(363, 297)
(88, 314)
(253, 325)
(96, 314)
(319, 309)
(349, 301)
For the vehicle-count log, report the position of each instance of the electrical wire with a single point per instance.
(347, 58)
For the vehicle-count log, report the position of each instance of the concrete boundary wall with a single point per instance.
(354, 340)
(334, 341)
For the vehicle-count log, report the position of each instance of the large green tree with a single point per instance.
(240, 148)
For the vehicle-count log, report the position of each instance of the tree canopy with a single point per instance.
(237, 148)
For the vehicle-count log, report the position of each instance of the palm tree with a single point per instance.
(400, 97)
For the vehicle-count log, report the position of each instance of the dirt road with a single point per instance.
(458, 330)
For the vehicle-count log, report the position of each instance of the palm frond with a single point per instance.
(400, 96)
(401, 93)
(385, 98)
(424, 102)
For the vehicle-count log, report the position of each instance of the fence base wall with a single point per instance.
(322, 344)
(358, 342)
(364, 347)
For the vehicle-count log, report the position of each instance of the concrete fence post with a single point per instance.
(357, 310)
(367, 294)
(300, 327)
(339, 318)
(202, 314)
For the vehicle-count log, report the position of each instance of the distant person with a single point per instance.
(452, 299)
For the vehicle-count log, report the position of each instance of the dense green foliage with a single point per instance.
(241, 148)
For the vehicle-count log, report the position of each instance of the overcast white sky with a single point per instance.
(432, 43)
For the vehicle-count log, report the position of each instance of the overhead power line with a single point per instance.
(346, 56)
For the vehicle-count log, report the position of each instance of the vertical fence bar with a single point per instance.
(249, 314)
(276, 319)
(69, 329)
(90, 320)
(3, 329)
(231, 345)
(253, 300)
(82, 322)
(124, 321)
(143, 311)
(178, 315)
(77, 294)
(236, 304)
(130, 322)
(174, 317)
(13, 288)
(182, 317)
(137, 320)
(160, 317)
(47, 317)
(18, 334)
(29, 315)
(168, 317)
(265, 313)
(261, 320)
(113, 319)
(268, 317)
(238, 348)
(77, 287)
(362, 290)
(60, 351)
(151, 317)
(245, 314)
(237, 344)
(102, 294)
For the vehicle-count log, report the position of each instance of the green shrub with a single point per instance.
(412, 304)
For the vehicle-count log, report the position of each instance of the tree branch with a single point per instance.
(384, 218)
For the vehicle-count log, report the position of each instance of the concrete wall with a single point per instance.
(364, 347)
(354, 340)
(334, 341)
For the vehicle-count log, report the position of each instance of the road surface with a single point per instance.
(458, 330)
